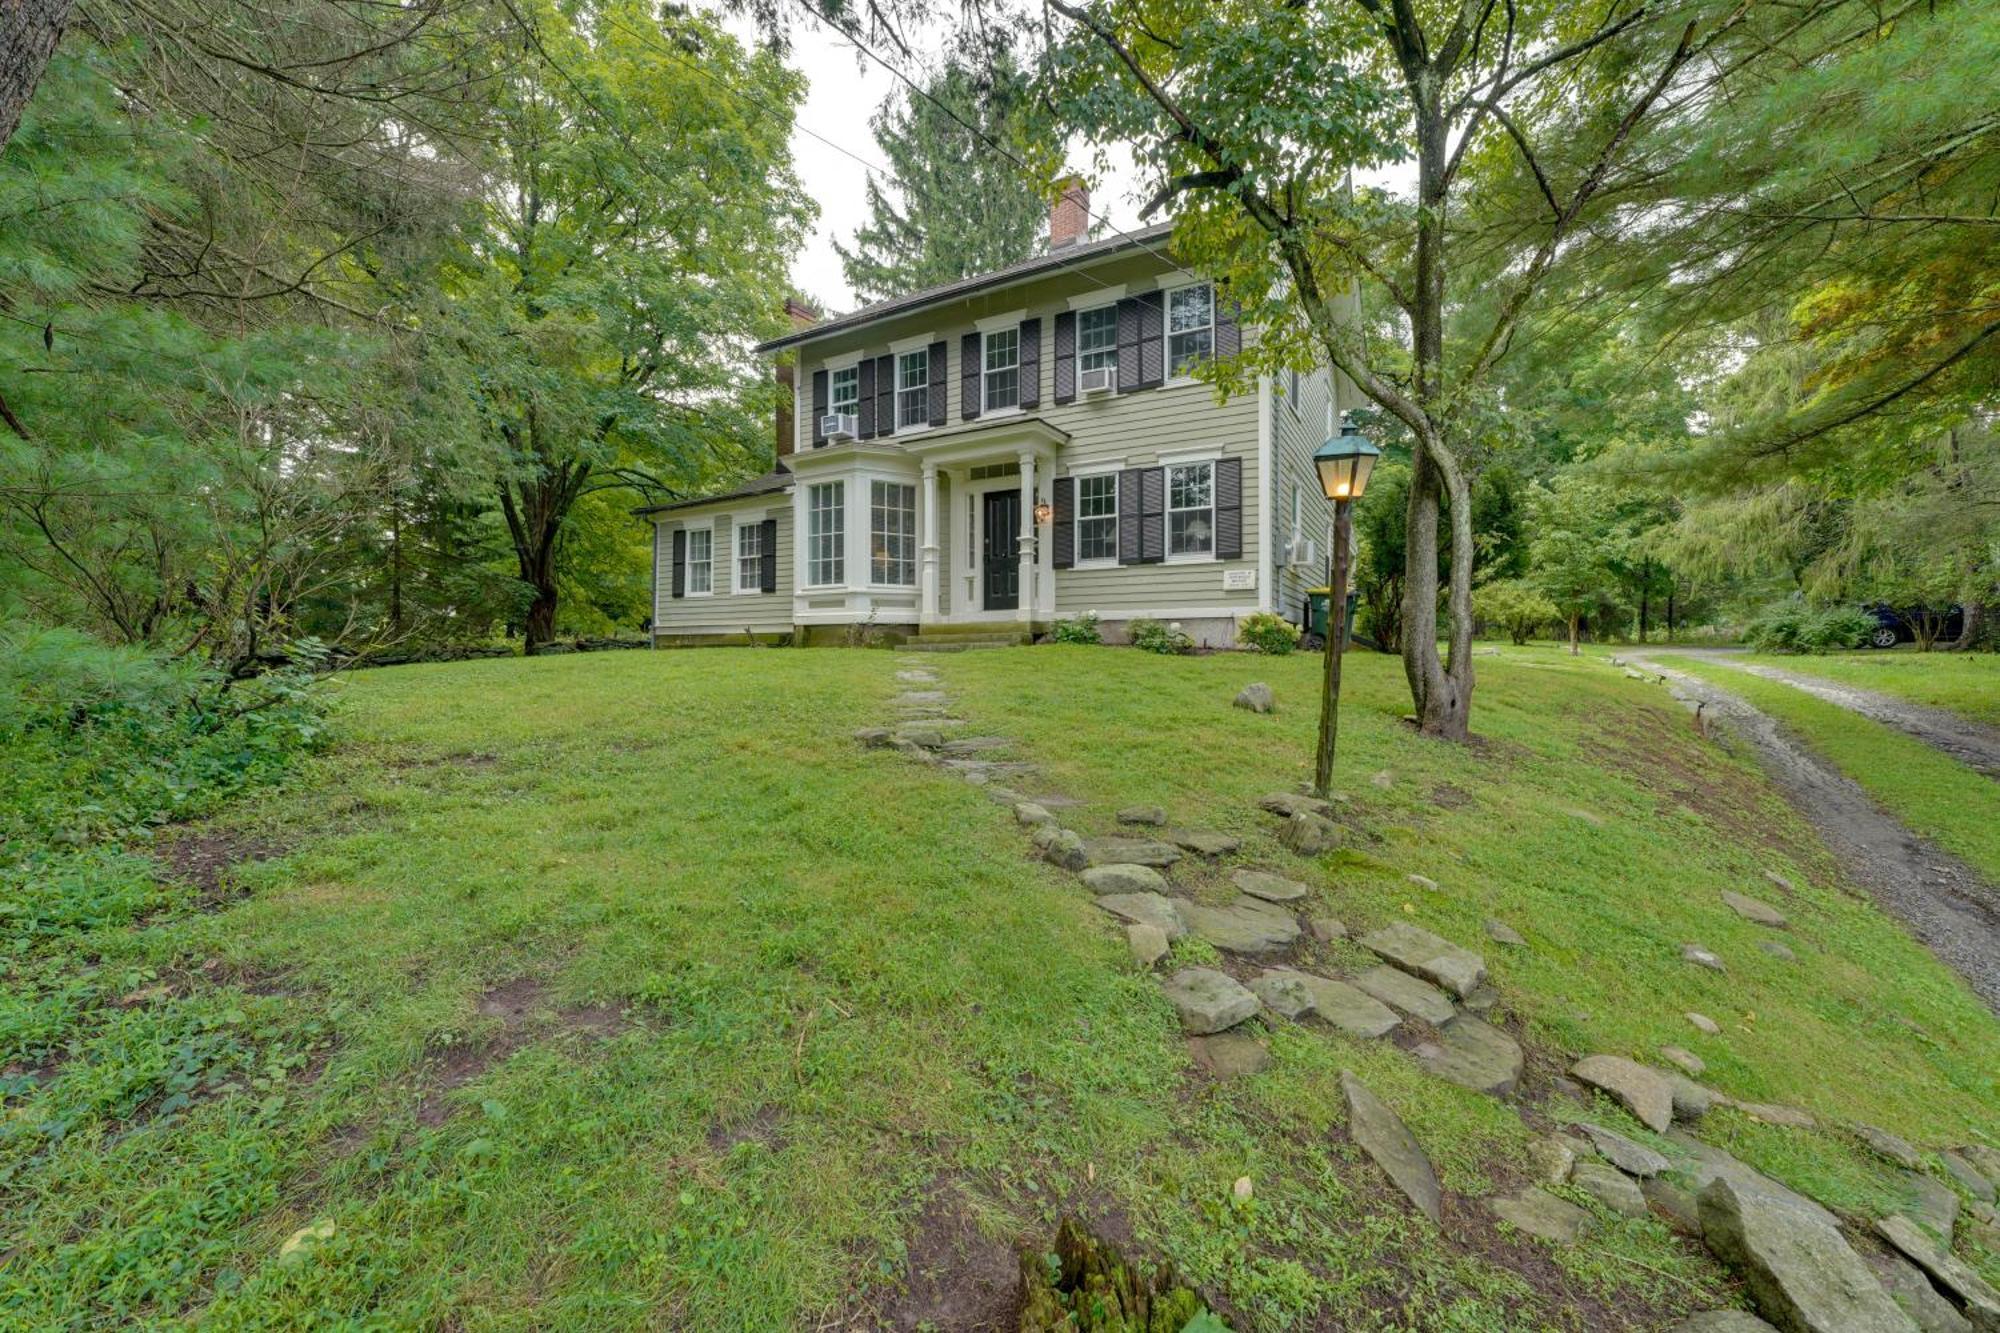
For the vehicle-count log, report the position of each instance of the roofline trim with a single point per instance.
(1025, 271)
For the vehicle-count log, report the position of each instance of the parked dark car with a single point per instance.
(1894, 625)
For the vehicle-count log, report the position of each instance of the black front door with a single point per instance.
(1002, 550)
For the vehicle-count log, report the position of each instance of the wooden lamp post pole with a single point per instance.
(1336, 635)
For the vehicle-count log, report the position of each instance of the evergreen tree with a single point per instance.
(965, 206)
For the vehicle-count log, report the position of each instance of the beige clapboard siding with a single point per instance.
(1295, 435)
(727, 612)
(1127, 430)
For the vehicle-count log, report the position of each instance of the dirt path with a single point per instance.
(1943, 901)
(1971, 743)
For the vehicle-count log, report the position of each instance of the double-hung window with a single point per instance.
(1097, 339)
(1190, 328)
(826, 534)
(1003, 370)
(913, 389)
(700, 561)
(749, 557)
(1097, 517)
(892, 533)
(1191, 509)
(845, 392)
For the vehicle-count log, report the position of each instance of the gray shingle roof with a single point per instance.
(771, 482)
(978, 282)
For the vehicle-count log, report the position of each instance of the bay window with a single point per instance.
(892, 533)
(826, 534)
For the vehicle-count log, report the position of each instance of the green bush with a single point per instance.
(1516, 606)
(1154, 637)
(1268, 632)
(1083, 629)
(1793, 628)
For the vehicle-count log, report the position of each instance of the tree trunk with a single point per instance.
(1575, 641)
(29, 30)
(1974, 628)
(1645, 595)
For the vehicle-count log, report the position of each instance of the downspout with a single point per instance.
(653, 591)
(1267, 563)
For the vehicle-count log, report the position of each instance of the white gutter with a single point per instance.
(1267, 563)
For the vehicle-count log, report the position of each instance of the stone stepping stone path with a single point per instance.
(1963, 1287)
(1142, 814)
(1336, 1002)
(1124, 878)
(1271, 888)
(1423, 954)
(1247, 925)
(1401, 991)
(1146, 909)
(1752, 909)
(1610, 1187)
(1229, 1055)
(1797, 1266)
(1208, 1000)
(1474, 1054)
(1634, 1159)
(1542, 1215)
(1642, 1091)
(1130, 851)
(1205, 842)
(1381, 1134)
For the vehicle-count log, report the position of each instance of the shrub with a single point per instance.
(1154, 637)
(1794, 628)
(1083, 629)
(1514, 605)
(1268, 632)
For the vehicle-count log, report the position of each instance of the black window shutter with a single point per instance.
(819, 407)
(1229, 508)
(1229, 335)
(1152, 339)
(1065, 524)
(968, 376)
(1128, 344)
(1152, 515)
(767, 562)
(864, 408)
(1065, 357)
(1130, 550)
(1031, 363)
(885, 395)
(680, 562)
(938, 413)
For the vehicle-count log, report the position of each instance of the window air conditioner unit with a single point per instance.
(838, 426)
(1302, 551)
(1096, 380)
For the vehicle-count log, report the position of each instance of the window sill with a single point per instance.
(1193, 558)
(990, 413)
(1111, 563)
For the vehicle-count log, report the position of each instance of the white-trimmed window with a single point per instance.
(913, 389)
(700, 562)
(749, 556)
(1191, 509)
(826, 534)
(892, 533)
(1097, 339)
(1097, 517)
(1190, 327)
(1002, 364)
(844, 393)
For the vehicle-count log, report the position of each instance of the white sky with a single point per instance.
(844, 89)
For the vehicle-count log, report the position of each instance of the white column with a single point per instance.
(1027, 553)
(927, 576)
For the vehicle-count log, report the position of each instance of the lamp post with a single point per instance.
(1344, 463)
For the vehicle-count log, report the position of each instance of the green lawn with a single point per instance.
(625, 990)
(1930, 792)
(1966, 683)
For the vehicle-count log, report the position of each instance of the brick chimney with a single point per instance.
(1069, 220)
(802, 316)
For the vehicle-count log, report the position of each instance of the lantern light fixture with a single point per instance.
(1346, 461)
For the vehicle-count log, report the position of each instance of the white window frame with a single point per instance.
(987, 370)
(1168, 333)
(875, 533)
(1171, 465)
(921, 389)
(815, 540)
(833, 374)
(1078, 519)
(1110, 351)
(707, 564)
(748, 524)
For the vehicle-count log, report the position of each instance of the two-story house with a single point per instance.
(982, 458)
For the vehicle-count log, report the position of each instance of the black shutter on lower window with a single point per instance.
(968, 377)
(1152, 339)
(1229, 508)
(819, 407)
(1065, 353)
(885, 395)
(1228, 329)
(1152, 515)
(864, 408)
(939, 414)
(1130, 546)
(767, 567)
(1128, 344)
(1065, 523)
(1031, 363)
(680, 562)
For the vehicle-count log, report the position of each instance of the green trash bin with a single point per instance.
(1317, 600)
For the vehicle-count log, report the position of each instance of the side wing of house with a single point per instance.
(722, 572)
